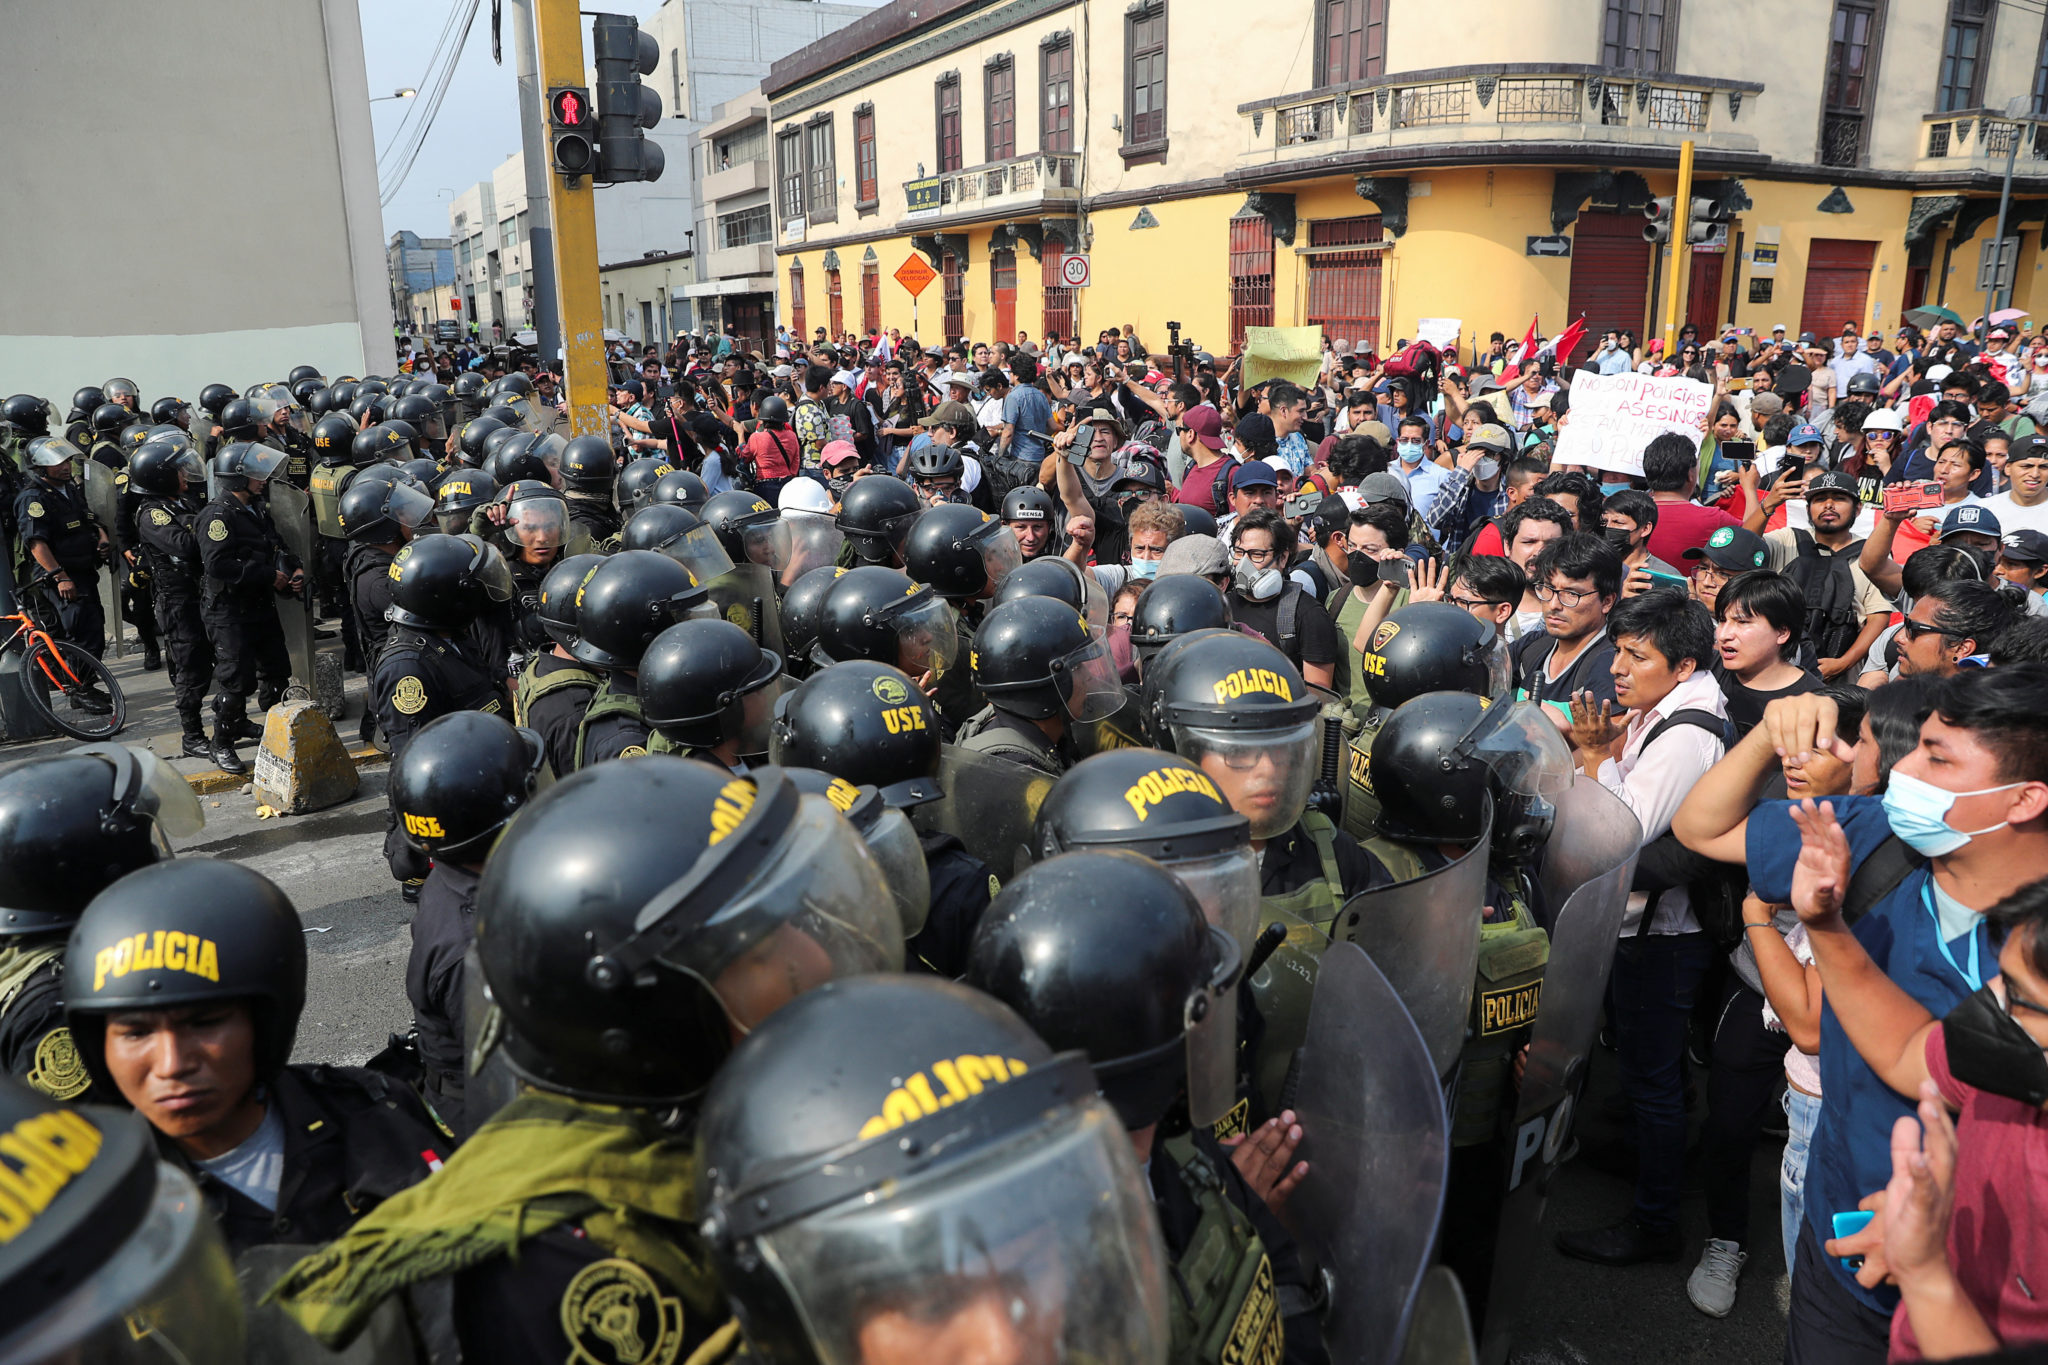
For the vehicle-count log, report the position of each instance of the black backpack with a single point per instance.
(1829, 584)
(1715, 888)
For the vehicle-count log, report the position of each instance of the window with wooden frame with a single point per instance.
(1850, 79)
(870, 298)
(1638, 34)
(796, 300)
(999, 102)
(1344, 286)
(789, 173)
(835, 306)
(866, 183)
(953, 280)
(1056, 95)
(821, 171)
(947, 96)
(1353, 46)
(1251, 275)
(1965, 51)
(1145, 79)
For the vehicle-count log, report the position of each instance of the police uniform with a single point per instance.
(612, 725)
(35, 1042)
(56, 514)
(138, 586)
(962, 886)
(169, 549)
(442, 929)
(994, 731)
(418, 676)
(366, 570)
(595, 517)
(550, 696)
(243, 557)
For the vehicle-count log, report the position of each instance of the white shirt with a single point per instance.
(1653, 785)
(1847, 367)
(2013, 517)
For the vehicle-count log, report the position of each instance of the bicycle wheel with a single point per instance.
(73, 691)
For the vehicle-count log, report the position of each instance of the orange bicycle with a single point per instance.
(93, 707)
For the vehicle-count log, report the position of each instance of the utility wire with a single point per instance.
(431, 99)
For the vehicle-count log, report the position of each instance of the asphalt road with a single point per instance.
(331, 864)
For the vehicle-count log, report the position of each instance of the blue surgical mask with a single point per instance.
(1410, 452)
(1608, 490)
(1918, 812)
(1144, 568)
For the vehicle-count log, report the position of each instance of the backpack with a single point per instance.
(1716, 889)
(1419, 360)
(1829, 585)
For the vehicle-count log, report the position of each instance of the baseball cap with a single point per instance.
(1376, 429)
(950, 414)
(1206, 423)
(1777, 327)
(1937, 373)
(1253, 474)
(2024, 547)
(2027, 448)
(837, 452)
(1805, 434)
(1733, 548)
(1198, 554)
(2000, 334)
(846, 377)
(1831, 481)
(1493, 438)
(1142, 472)
(1971, 518)
(1383, 487)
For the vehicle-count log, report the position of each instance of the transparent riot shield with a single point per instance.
(291, 513)
(1440, 1330)
(276, 1339)
(989, 806)
(1123, 728)
(1424, 935)
(491, 1085)
(103, 488)
(1378, 1146)
(745, 596)
(1588, 864)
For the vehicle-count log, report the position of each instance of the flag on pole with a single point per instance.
(1528, 351)
(1569, 339)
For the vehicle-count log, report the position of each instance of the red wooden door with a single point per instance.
(1610, 273)
(1837, 285)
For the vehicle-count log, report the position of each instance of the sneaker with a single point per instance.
(1712, 1285)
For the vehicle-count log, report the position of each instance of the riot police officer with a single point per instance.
(864, 722)
(588, 472)
(1041, 669)
(84, 402)
(634, 922)
(429, 666)
(552, 691)
(673, 530)
(1172, 607)
(875, 516)
(463, 777)
(174, 411)
(247, 566)
(166, 479)
(637, 480)
(965, 1193)
(183, 984)
(532, 524)
(58, 532)
(1106, 952)
(461, 493)
(707, 691)
(213, 401)
(379, 517)
(880, 614)
(624, 604)
(963, 553)
(340, 451)
(106, 421)
(124, 393)
(800, 608)
(69, 827)
(681, 487)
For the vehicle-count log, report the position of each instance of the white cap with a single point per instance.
(804, 495)
(1777, 327)
(1884, 419)
(1938, 373)
(846, 377)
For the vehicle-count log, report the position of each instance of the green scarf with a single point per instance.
(542, 1161)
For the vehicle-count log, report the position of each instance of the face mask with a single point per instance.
(1144, 568)
(1608, 490)
(1617, 536)
(1918, 812)
(1258, 584)
(1362, 572)
(1485, 468)
(1410, 452)
(1987, 1048)
(838, 487)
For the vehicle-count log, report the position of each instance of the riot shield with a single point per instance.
(490, 1085)
(1378, 1146)
(1123, 728)
(275, 1338)
(1424, 935)
(745, 596)
(291, 513)
(103, 488)
(1440, 1332)
(1587, 867)
(1283, 987)
(989, 806)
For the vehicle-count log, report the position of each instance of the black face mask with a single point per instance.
(1989, 1050)
(1362, 571)
(1617, 536)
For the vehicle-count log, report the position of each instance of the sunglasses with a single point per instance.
(1913, 630)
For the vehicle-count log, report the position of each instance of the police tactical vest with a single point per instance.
(1224, 1305)
(325, 487)
(1361, 806)
(530, 688)
(1506, 993)
(605, 703)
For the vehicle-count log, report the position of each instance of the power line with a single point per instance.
(408, 121)
(434, 89)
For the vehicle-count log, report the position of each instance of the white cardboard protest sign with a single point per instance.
(1613, 416)
(1438, 332)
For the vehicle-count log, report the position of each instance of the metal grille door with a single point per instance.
(1344, 286)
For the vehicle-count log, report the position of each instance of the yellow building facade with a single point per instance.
(1319, 162)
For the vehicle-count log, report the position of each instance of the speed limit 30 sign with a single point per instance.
(1074, 272)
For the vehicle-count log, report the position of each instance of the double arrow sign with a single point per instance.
(1550, 246)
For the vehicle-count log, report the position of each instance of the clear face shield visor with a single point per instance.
(927, 634)
(152, 790)
(1211, 1018)
(1265, 774)
(489, 569)
(814, 542)
(408, 506)
(1001, 554)
(893, 842)
(1531, 766)
(537, 526)
(1091, 689)
(1227, 885)
(699, 550)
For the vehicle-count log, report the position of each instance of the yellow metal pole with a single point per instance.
(559, 36)
(1681, 253)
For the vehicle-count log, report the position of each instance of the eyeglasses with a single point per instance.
(1472, 603)
(1569, 597)
(1880, 436)
(1123, 618)
(1255, 556)
(1913, 630)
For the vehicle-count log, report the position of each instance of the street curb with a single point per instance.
(214, 781)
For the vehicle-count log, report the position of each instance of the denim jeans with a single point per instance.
(1656, 978)
(1802, 1115)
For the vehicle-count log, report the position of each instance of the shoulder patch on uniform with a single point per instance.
(35, 509)
(159, 517)
(59, 1071)
(410, 696)
(216, 529)
(633, 751)
(613, 1313)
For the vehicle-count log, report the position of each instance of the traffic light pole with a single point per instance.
(559, 31)
(533, 141)
(1681, 250)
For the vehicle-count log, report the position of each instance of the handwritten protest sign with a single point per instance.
(1441, 333)
(1291, 353)
(1613, 416)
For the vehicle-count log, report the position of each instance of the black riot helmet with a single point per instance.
(890, 838)
(865, 722)
(1036, 657)
(109, 418)
(377, 512)
(1440, 756)
(374, 406)
(304, 389)
(423, 415)
(86, 401)
(559, 591)
(27, 414)
(800, 607)
(681, 487)
(1028, 502)
(1433, 647)
(515, 459)
(745, 524)
(497, 438)
(214, 398)
(631, 919)
(1107, 952)
(1057, 576)
(632, 597)
(637, 480)
(460, 780)
(510, 416)
(468, 392)
(72, 825)
(156, 467)
(876, 514)
(704, 683)
(301, 372)
(515, 383)
(773, 411)
(667, 529)
(460, 494)
(373, 385)
(880, 614)
(961, 551)
(589, 466)
(334, 438)
(907, 1148)
(469, 443)
(445, 582)
(1226, 681)
(187, 932)
(120, 389)
(240, 420)
(380, 442)
(1174, 606)
(423, 472)
(176, 411)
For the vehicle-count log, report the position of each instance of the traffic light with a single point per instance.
(624, 106)
(573, 127)
(1706, 223)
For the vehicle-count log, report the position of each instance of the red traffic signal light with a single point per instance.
(573, 126)
(568, 108)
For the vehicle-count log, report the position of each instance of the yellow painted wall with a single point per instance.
(1176, 272)
(1880, 217)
